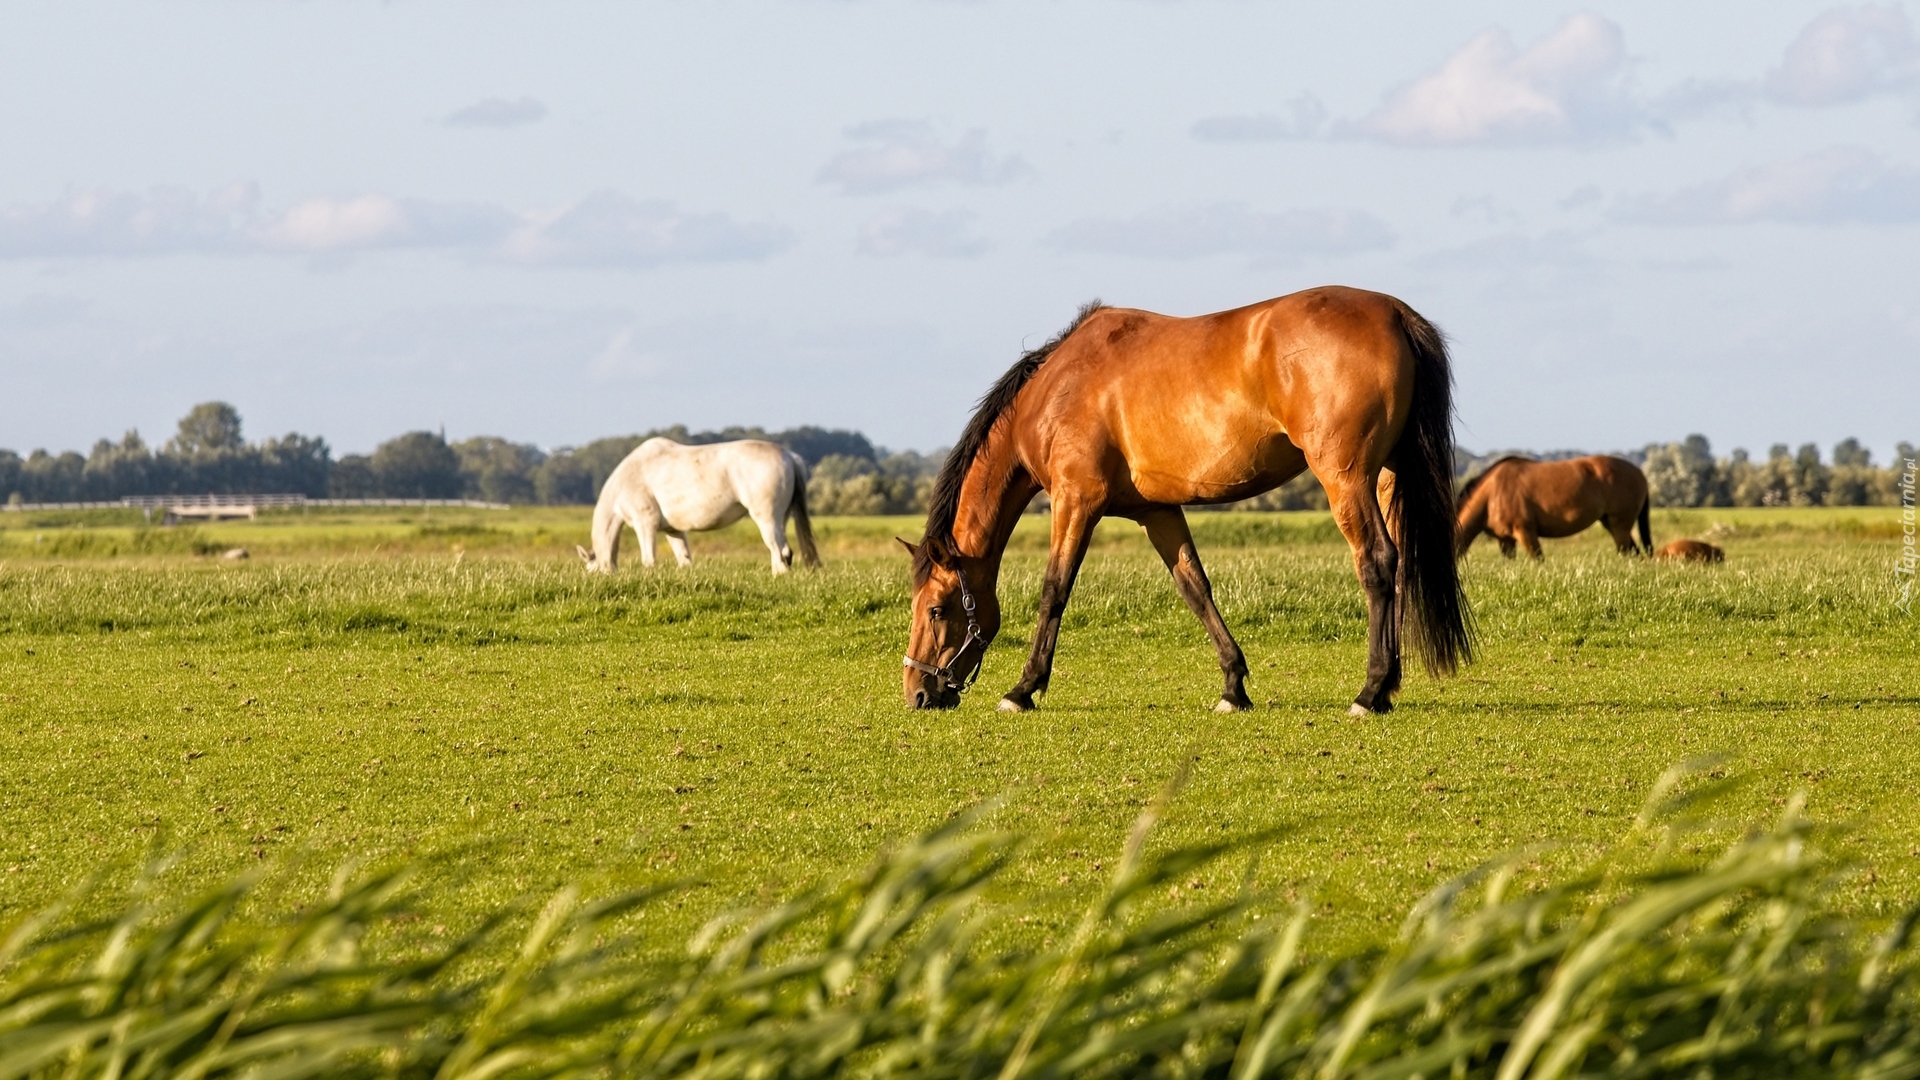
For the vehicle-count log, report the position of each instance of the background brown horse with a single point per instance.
(1133, 414)
(1690, 551)
(1520, 500)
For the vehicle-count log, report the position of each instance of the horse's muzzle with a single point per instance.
(931, 693)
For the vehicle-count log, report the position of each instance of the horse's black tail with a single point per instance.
(1646, 523)
(1441, 626)
(802, 524)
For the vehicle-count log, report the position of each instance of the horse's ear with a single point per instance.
(940, 551)
(585, 555)
(911, 550)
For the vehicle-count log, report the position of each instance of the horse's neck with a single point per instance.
(996, 492)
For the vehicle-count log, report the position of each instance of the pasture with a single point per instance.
(372, 685)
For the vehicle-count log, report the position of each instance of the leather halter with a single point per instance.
(944, 673)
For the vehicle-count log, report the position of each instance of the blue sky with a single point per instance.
(562, 220)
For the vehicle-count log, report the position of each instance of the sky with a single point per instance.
(563, 220)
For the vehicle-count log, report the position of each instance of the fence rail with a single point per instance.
(260, 502)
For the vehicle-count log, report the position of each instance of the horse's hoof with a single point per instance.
(1225, 705)
(1007, 704)
(1359, 711)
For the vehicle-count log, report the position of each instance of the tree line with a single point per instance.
(850, 475)
(209, 454)
(1688, 474)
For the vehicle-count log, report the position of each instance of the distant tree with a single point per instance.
(1852, 476)
(208, 427)
(295, 464)
(48, 477)
(1810, 477)
(1683, 474)
(846, 485)
(123, 468)
(1741, 478)
(843, 484)
(352, 478)
(417, 465)
(10, 476)
(496, 470)
(564, 479)
(813, 443)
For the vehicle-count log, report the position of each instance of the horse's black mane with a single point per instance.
(944, 505)
(1467, 488)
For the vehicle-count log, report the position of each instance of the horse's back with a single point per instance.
(1209, 407)
(713, 485)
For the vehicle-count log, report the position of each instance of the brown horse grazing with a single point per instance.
(1520, 500)
(1133, 414)
(1690, 551)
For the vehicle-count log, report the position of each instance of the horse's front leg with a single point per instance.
(1072, 528)
(645, 526)
(1167, 528)
(677, 540)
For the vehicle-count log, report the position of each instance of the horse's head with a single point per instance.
(593, 561)
(955, 615)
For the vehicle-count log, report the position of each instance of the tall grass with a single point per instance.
(1645, 963)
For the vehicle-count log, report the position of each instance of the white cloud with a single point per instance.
(1836, 185)
(603, 229)
(496, 112)
(1847, 54)
(910, 230)
(1568, 86)
(611, 229)
(161, 221)
(1198, 230)
(897, 154)
(321, 225)
(1303, 118)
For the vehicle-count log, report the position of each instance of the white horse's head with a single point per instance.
(594, 563)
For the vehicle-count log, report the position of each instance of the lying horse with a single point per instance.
(1132, 414)
(664, 487)
(1690, 551)
(1520, 500)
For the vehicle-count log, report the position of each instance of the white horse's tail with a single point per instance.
(802, 524)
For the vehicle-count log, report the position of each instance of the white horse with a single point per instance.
(664, 487)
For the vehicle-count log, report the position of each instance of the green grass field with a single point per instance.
(374, 684)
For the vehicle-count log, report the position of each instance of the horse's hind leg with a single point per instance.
(644, 528)
(1622, 532)
(773, 533)
(1356, 508)
(1168, 530)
